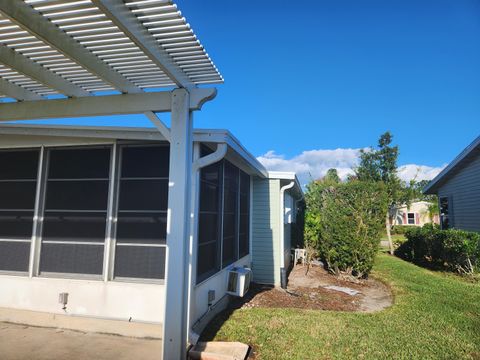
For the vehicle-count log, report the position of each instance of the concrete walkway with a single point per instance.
(19, 342)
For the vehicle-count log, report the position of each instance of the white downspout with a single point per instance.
(198, 164)
(283, 272)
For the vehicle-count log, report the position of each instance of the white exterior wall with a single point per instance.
(107, 300)
(218, 283)
(113, 300)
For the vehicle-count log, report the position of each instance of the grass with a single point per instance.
(435, 316)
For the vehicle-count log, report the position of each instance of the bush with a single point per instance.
(400, 229)
(352, 219)
(454, 250)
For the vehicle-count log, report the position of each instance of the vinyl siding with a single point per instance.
(463, 190)
(266, 231)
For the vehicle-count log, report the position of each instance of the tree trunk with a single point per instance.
(389, 236)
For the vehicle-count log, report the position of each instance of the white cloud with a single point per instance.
(314, 164)
(418, 172)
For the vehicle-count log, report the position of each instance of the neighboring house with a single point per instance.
(458, 190)
(83, 211)
(416, 214)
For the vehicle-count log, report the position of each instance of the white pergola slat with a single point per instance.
(81, 47)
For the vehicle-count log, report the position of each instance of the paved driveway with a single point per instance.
(19, 342)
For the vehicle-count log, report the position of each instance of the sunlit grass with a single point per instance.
(434, 317)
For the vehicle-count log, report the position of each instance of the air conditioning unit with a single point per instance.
(239, 281)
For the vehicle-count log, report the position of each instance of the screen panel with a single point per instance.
(143, 195)
(79, 163)
(145, 161)
(72, 258)
(18, 164)
(143, 228)
(16, 224)
(140, 262)
(75, 216)
(18, 186)
(142, 212)
(209, 225)
(74, 226)
(14, 256)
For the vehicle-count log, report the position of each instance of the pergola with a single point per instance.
(79, 58)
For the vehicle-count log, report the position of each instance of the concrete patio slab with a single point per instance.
(21, 342)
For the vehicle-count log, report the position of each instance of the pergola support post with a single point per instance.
(181, 143)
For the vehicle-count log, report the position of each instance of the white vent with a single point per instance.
(239, 281)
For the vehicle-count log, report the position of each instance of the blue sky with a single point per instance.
(310, 75)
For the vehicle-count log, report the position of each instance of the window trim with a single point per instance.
(211, 273)
(38, 248)
(120, 145)
(28, 272)
(414, 218)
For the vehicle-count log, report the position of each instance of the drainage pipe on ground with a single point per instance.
(283, 270)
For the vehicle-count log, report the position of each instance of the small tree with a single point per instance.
(350, 224)
(380, 165)
(313, 199)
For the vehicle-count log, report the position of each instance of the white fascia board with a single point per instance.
(432, 186)
(219, 136)
(287, 175)
(136, 133)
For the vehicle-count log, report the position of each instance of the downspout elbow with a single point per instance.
(212, 158)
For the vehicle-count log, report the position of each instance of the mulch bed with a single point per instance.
(300, 297)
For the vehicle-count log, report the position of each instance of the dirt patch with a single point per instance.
(306, 290)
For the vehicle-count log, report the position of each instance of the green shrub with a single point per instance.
(400, 229)
(352, 219)
(454, 250)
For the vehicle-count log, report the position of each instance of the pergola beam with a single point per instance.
(17, 92)
(36, 24)
(100, 105)
(120, 15)
(30, 68)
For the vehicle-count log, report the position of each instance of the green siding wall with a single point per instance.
(266, 231)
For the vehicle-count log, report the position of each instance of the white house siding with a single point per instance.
(265, 231)
(463, 190)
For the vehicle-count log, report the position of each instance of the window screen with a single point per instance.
(75, 214)
(224, 217)
(230, 214)
(209, 225)
(142, 212)
(244, 225)
(18, 183)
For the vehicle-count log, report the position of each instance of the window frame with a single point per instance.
(43, 195)
(115, 212)
(413, 219)
(201, 278)
(32, 238)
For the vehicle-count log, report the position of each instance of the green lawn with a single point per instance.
(435, 316)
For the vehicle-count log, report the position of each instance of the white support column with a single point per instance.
(174, 325)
